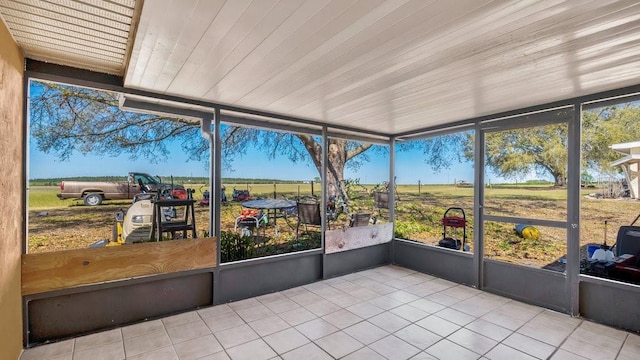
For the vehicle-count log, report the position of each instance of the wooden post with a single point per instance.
(274, 189)
(418, 186)
(311, 187)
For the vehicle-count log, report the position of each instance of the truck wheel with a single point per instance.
(92, 199)
(114, 233)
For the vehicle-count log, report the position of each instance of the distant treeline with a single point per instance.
(165, 179)
(205, 180)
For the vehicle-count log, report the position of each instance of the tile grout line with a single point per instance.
(565, 340)
(626, 336)
(212, 334)
(318, 291)
(520, 327)
(414, 322)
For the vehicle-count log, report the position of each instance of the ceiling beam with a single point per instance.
(595, 100)
(73, 76)
(78, 77)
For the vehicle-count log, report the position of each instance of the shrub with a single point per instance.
(403, 229)
(234, 247)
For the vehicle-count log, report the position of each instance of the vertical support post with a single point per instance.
(573, 209)
(478, 206)
(392, 192)
(216, 178)
(216, 205)
(215, 195)
(25, 196)
(205, 131)
(392, 180)
(323, 186)
(25, 166)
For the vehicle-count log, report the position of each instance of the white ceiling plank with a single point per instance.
(146, 35)
(125, 8)
(347, 66)
(320, 25)
(237, 87)
(208, 47)
(452, 71)
(166, 34)
(57, 27)
(416, 62)
(253, 25)
(64, 57)
(190, 35)
(46, 43)
(81, 10)
(386, 65)
(415, 76)
(332, 39)
(125, 3)
(259, 35)
(70, 37)
(43, 8)
(380, 65)
(61, 20)
(87, 34)
(276, 51)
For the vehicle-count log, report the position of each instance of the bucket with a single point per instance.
(527, 231)
(591, 249)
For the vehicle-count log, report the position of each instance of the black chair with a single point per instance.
(308, 214)
(360, 219)
(380, 201)
(628, 242)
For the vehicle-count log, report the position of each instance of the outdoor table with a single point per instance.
(271, 206)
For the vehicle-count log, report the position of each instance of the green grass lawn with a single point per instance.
(419, 215)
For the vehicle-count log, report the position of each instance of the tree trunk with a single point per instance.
(559, 179)
(338, 155)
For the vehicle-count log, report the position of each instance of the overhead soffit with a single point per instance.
(389, 66)
(88, 34)
(386, 66)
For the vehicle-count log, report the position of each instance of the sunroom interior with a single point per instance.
(382, 72)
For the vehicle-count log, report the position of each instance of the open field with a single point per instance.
(56, 225)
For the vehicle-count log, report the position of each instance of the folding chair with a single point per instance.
(360, 219)
(249, 220)
(380, 201)
(308, 214)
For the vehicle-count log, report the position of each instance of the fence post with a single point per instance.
(274, 190)
(418, 186)
(312, 188)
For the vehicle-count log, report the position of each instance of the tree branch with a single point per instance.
(358, 150)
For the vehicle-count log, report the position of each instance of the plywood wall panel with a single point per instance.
(43, 272)
(12, 127)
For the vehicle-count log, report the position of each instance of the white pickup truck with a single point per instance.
(94, 192)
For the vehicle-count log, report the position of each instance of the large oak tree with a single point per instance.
(542, 149)
(68, 119)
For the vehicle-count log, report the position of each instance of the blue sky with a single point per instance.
(410, 167)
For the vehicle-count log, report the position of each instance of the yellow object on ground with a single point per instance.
(527, 231)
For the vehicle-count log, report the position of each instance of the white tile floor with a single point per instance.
(384, 313)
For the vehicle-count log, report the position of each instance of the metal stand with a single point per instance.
(161, 225)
